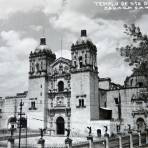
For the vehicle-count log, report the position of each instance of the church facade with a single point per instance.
(69, 94)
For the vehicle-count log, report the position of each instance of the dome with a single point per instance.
(42, 45)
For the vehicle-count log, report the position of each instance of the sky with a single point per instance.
(23, 22)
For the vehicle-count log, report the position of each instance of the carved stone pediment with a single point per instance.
(61, 60)
(60, 67)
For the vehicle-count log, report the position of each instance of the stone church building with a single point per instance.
(68, 93)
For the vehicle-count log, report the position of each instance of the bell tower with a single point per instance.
(39, 61)
(84, 54)
(84, 82)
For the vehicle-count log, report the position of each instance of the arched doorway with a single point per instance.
(12, 122)
(99, 132)
(140, 124)
(60, 126)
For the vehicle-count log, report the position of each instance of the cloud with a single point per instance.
(65, 54)
(14, 62)
(143, 23)
(108, 38)
(85, 7)
(15, 45)
(36, 27)
(66, 18)
(73, 21)
(53, 6)
(8, 7)
(117, 72)
(112, 65)
(106, 34)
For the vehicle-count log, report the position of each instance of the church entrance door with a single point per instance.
(60, 126)
(141, 124)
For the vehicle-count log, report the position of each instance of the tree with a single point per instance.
(136, 52)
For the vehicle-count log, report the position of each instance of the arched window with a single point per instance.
(85, 58)
(80, 61)
(131, 82)
(75, 64)
(41, 65)
(37, 67)
(61, 86)
(140, 84)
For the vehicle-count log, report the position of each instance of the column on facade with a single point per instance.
(131, 139)
(120, 140)
(139, 135)
(106, 140)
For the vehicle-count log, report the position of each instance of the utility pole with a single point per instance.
(26, 131)
(119, 107)
(20, 125)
